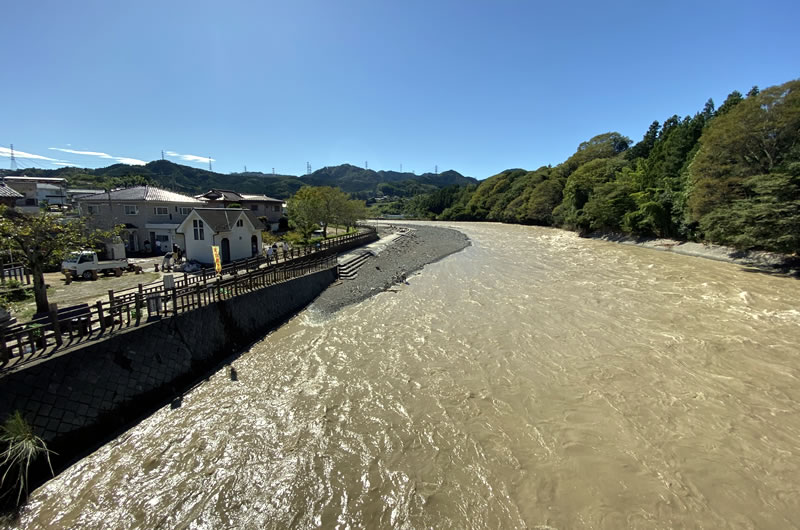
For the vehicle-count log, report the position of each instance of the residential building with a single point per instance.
(38, 191)
(259, 205)
(9, 196)
(150, 215)
(237, 232)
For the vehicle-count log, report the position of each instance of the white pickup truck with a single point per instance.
(85, 264)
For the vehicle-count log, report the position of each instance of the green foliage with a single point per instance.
(12, 283)
(755, 137)
(234, 205)
(23, 448)
(41, 238)
(323, 206)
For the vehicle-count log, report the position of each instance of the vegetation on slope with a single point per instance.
(730, 176)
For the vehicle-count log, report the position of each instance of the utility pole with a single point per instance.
(13, 160)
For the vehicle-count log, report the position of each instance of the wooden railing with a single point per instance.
(15, 271)
(42, 337)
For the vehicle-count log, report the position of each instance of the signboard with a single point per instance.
(169, 282)
(217, 259)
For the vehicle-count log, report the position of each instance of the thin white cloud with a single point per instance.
(5, 151)
(191, 158)
(120, 159)
(130, 161)
(87, 153)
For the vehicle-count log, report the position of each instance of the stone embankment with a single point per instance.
(420, 246)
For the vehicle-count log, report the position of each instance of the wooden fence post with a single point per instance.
(111, 296)
(99, 305)
(139, 305)
(53, 313)
(197, 292)
(219, 291)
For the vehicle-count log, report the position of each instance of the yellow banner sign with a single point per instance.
(217, 259)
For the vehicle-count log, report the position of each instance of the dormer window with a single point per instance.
(240, 223)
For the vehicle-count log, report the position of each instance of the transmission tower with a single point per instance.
(162, 154)
(273, 172)
(366, 165)
(308, 168)
(401, 167)
(436, 169)
(13, 160)
(209, 162)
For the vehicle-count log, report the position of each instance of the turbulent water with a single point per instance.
(534, 380)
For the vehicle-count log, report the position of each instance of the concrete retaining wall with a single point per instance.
(75, 401)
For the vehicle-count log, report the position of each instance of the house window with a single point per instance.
(161, 210)
(239, 223)
(254, 207)
(92, 209)
(131, 209)
(183, 210)
(198, 230)
(276, 208)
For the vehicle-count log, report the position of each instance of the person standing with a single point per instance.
(269, 255)
(285, 250)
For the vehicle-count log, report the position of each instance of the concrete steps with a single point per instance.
(349, 269)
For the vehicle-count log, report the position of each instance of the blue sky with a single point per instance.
(476, 86)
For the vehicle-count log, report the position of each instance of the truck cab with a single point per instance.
(86, 265)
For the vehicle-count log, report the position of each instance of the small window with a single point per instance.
(131, 209)
(198, 230)
(161, 210)
(183, 210)
(276, 208)
(254, 207)
(239, 223)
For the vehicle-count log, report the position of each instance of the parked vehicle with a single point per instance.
(86, 265)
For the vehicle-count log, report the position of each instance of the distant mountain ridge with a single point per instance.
(363, 183)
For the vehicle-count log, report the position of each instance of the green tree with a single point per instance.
(42, 237)
(304, 210)
(755, 137)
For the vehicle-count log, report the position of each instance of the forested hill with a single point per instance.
(729, 175)
(190, 180)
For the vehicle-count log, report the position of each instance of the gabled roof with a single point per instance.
(224, 219)
(5, 191)
(140, 193)
(263, 198)
(220, 195)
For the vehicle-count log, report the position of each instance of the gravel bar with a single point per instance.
(422, 245)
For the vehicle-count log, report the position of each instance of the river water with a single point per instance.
(534, 380)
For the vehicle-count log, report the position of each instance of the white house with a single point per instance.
(235, 231)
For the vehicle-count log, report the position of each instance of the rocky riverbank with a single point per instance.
(782, 263)
(422, 245)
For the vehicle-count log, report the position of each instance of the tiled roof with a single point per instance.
(5, 191)
(141, 193)
(223, 219)
(260, 198)
(220, 195)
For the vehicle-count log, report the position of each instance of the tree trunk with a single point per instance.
(325, 230)
(39, 287)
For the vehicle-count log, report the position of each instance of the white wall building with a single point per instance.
(235, 231)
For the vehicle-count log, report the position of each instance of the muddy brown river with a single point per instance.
(534, 380)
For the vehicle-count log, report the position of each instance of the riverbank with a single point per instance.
(771, 261)
(421, 246)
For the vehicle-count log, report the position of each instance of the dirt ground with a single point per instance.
(86, 291)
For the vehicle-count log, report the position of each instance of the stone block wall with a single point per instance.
(80, 398)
